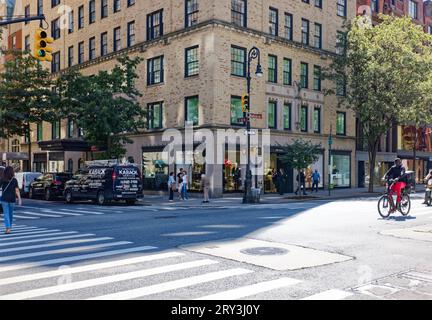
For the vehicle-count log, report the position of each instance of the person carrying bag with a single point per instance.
(8, 197)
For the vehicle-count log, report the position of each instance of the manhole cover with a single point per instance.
(264, 251)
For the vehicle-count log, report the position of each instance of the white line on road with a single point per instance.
(172, 285)
(20, 228)
(91, 267)
(106, 280)
(48, 234)
(55, 244)
(24, 217)
(46, 239)
(82, 211)
(24, 232)
(251, 290)
(74, 258)
(62, 213)
(333, 294)
(60, 251)
(40, 214)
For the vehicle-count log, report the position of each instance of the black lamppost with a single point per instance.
(254, 53)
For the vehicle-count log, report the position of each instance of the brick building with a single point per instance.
(195, 55)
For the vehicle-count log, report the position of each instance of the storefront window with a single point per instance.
(341, 170)
(421, 168)
(379, 172)
(155, 171)
(270, 169)
(232, 171)
(319, 165)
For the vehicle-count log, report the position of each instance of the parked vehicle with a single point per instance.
(103, 181)
(49, 185)
(25, 179)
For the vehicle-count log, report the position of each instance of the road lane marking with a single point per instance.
(82, 211)
(24, 233)
(62, 213)
(333, 294)
(91, 267)
(15, 228)
(55, 244)
(60, 251)
(172, 285)
(251, 290)
(106, 280)
(24, 217)
(47, 239)
(46, 234)
(40, 214)
(74, 258)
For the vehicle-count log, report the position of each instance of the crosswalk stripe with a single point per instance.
(40, 214)
(62, 213)
(106, 280)
(48, 234)
(24, 233)
(333, 294)
(82, 211)
(91, 267)
(55, 244)
(59, 251)
(24, 217)
(46, 239)
(22, 266)
(20, 228)
(172, 285)
(251, 290)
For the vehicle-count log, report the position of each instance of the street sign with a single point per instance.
(256, 116)
(251, 132)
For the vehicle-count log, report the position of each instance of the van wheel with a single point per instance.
(68, 197)
(130, 202)
(100, 200)
(48, 195)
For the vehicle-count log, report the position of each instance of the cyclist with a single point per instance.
(397, 174)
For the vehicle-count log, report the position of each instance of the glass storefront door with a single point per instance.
(341, 170)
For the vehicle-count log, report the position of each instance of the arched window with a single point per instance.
(80, 163)
(70, 165)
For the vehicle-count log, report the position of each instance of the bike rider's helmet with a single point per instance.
(398, 162)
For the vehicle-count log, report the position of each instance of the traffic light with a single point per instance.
(42, 48)
(245, 103)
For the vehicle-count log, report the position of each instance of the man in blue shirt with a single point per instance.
(315, 180)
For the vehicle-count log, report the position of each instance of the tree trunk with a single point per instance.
(372, 159)
(28, 133)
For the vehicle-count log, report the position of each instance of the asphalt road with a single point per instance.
(318, 249)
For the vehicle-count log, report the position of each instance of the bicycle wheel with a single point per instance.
(384, 206)
(405, 205)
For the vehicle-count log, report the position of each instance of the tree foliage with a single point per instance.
(104, 105)
(300, 154)
(387, 72)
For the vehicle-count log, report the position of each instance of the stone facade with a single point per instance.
(214, 34)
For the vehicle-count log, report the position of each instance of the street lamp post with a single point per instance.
(330, 142)
(254, 53)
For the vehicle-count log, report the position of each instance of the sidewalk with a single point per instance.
(195, 199)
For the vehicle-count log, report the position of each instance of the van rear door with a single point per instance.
(126, 182)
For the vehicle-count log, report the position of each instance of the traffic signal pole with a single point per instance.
(21, 19)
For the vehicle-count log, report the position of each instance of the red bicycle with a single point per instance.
(387, 202)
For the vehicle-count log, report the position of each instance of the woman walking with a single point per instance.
(171, 186)
(10, 193)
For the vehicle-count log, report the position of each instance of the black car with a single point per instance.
(49, 185)
(102, 183)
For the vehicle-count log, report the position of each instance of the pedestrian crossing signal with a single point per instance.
(245, 103)
(42, 48)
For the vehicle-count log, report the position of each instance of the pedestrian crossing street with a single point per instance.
(40, 263)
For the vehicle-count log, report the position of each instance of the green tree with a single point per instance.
(26, 96)
(300, 154)
(104, 105)
(386, 71)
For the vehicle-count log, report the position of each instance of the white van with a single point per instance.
(24, 180)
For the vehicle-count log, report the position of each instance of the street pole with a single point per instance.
(254, 53)
(330, 142)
